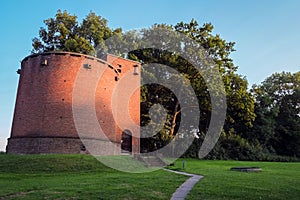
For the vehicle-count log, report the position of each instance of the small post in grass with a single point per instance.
(183, 164)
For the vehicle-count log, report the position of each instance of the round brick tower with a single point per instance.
(43, 118)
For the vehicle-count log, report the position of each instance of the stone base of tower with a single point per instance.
(48, 145)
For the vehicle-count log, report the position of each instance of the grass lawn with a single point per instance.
(276, 181)
(79, 177)
(83, 177)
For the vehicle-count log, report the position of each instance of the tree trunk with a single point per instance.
(175, 113)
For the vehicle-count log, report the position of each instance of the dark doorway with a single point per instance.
(126, 141)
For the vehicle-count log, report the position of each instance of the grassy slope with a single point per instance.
(276, 181)
(83, 177)
(79, 177)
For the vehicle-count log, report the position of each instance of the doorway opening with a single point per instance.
(126, 142)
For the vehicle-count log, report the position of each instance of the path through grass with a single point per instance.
(276, 181)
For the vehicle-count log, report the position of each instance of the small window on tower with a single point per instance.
(45, 62)
(135, 69)
(87, 66)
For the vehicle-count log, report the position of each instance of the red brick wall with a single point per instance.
(127, 69)
(44, 100)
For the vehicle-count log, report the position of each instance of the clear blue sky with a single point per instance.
(266, 32)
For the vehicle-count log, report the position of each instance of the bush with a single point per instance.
(234, 147)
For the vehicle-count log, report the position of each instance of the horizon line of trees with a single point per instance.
(262, 123)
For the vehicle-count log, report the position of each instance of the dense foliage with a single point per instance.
(277, 126)
(64, 33)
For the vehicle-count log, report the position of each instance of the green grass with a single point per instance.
(79, 177)
(84, 177)
(276, 181)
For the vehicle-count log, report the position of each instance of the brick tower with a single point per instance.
(44, 120)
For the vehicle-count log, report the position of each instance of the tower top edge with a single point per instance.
(73, 54)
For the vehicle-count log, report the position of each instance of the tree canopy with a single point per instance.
(278, 114)
(64, 33)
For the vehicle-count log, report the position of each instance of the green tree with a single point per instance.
(277, 107)
(64, 33)
(287, 131)
(240, 103)
(240, 113)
